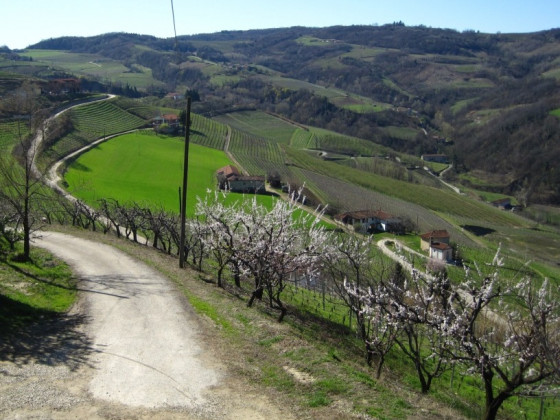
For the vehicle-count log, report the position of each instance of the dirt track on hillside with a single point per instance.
(129, 349)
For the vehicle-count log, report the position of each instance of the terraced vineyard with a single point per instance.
(304, 139)
(91, 122)
(260, 124)
(146, 112)
(257, 156)
(438, 200)
(207, 132)
(104, 118)
(332, 142)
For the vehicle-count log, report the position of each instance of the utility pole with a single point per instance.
(184, 191)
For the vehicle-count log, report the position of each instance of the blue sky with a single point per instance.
(25, 22)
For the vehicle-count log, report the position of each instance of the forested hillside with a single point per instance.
(491, 102)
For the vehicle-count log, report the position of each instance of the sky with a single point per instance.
(25, 22)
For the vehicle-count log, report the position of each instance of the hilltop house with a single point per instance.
(229, 178)
(436, 242)
(172, 121)
(433, 236)
(369, 220)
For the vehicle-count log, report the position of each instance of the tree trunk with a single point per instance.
(493, 406)
(379, 367)
(26, 230)
(283, 312)
(236, 276)
(487, 376)
(257, 293)
(424, 385)
(220, 270)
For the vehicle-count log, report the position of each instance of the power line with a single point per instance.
(174, 28)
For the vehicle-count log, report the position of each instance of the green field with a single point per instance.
(10, 133)
(147, 169)
(144, 168)
(94, 65)
(91, 122)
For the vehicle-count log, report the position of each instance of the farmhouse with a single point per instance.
(168, 123)
(436, 242)
(230, 179)
(368, 220)
(170, 119)
(434, 236)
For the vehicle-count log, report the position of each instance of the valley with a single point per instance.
(352, 117)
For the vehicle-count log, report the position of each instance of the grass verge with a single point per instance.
(32, 291)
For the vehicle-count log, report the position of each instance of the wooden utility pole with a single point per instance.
(184, 191)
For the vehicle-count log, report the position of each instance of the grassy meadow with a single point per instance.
(148, 169)
(90, 122)
(143, 167)
(95, 65)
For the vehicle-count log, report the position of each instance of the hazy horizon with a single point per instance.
(27, 22)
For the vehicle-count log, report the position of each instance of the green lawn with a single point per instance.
(144, 168)
(33, 290)
(94, 65)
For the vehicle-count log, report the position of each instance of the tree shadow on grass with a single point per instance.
(113, 283)
(52, 339)
(478, 230)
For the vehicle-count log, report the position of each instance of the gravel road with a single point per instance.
(128, 349)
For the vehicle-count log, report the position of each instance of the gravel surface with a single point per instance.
(129, 349)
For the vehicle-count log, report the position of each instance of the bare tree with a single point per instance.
(20, 186)
(21, 191)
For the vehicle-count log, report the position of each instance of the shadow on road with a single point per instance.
(54, 340)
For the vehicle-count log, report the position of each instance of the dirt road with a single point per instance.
(135, 354)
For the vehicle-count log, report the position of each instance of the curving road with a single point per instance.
(144, 346)
(138, 356)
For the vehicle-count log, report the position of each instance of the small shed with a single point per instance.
(441, 251)
(433, 236)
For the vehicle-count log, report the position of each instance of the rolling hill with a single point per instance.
(490, 102)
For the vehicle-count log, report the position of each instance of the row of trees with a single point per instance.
(504, 333)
